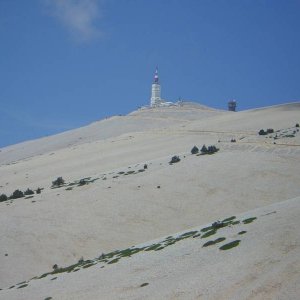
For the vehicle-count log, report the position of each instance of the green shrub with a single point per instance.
(28, 192)
(3, 197)
(144, 284)
(230, 245)
(82, 182)
(249, 220)
(212, 149)
(174, 159)
(209, 233)
(262, 132)
(58, 182)
(17, 194)
(209, 150)
(242, 232)
(204, 149)
(195, 150)
(38, 191)
(210, 243)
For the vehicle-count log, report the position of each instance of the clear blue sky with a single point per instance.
(66, 63)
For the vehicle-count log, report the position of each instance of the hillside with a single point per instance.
(122, 204)
(262, 263)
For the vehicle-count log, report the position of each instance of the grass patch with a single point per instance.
(209, 233)
(230, 245)
(129, 251)
(88, 265)
(188, 234)
(153, 247)
(113, 261)
(242, 232)
(235, 223)
(210, 243)
(249, 220)
(229, 219)
(206, 229)
(144, 284)
(130, 172)
(160, 248)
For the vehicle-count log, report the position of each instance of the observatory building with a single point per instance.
(156, 100)
(232, 105)
(155, 91)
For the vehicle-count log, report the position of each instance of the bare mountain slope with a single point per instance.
(139, 121)
(124, 204)
(256, 256)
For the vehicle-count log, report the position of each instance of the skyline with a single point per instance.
(65, 64)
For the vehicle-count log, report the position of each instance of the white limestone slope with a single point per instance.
(264, 265)
(116, 211)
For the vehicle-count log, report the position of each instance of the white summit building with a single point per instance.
(155, 91)
(156, 100)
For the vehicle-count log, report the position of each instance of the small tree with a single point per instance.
(174, 159)
(38, 191)
(58, 182)
(17, 194)
(82, 182)
(262, 132)
(28, 192)
(297, 125)
(204, 149)
(212, 149)
(194, 150)
(3, 197)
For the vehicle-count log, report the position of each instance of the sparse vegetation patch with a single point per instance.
(209, 233)
(115, 256)
(249, 220)
(210, 243)
(230, 245)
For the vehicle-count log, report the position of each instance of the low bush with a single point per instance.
(230, 245)
(174, 159)
(195, 150)
(17, 194)
(297, 125)
(58, 182)
(268, 131)
(262, 132)
(204, 149)
(3, 197)
(209, 150)
(28, 192)
(82, 182)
